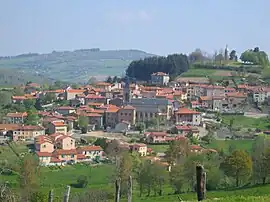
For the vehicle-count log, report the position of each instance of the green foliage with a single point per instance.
(18, 91)
(29, 104)
(5, 98)
(238, 165)
(82, 181)
(102, 142)
(47, 98)
(140, 127)
(255, 56)
(174, 65)
(83, 123)
(32, 118)
(109, 79)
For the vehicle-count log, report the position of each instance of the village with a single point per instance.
(129, 115)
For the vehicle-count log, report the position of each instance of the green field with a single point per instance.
(247, 122)
(235, 144)
(100, 178)
(158, 148)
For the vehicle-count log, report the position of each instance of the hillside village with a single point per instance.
(159, 113)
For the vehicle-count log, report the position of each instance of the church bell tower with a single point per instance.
(126, 91)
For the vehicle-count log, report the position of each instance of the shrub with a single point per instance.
(82, 181)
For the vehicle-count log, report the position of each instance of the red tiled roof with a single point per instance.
(58, 123)
(128, 107)
(186, 111)
(195, 147)
(90, 148)
(17, 114)
(236, 94)
(42, 139)
(103, 84)
(81, 156)
(18, 98)
(75, 91)
(94, 97)
(93, 115)
(65, 108)
(63, 151)
(158, 134)
(43, 154)
(205, 98)
(55, 160)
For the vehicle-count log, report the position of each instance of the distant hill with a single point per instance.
(75, 66)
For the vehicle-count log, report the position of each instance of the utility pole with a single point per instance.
(66, 196)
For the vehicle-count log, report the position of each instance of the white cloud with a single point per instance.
(128, 17)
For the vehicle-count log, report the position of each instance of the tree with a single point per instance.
(28, 176)
(82, 181)
(109, 79)
(29, 104)
(261, 159)
(47, 98)
(219, 58)
(102, 142)
(115, 79)
(32, 118)
(75, 86)
(5, 98)
(140, 127)
(208, 138)
(124, 168)
(255, 56)
(177, 151)
(142, 69)
(233, 55)
(238, 165)
(18, 91)
(177, 179)
(83, 123)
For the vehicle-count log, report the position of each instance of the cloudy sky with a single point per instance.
(155, 26)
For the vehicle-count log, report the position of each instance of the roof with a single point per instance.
(186, 111)
(149, 101)
(158, 134)
(112, 110)
(65, 152)
(65, 108)
(18, 98)
(236, 94)
(17, 114)
(43, 154)
(93, 115)
(90, 148)
(9, 126)
(103, 84)
(195, 147)
(205, 98)
(75, 91)
(94, 104)
(55, 160)
(42, 139)
(58, 123)
(90, 96)
(29, 128)
(81, 156)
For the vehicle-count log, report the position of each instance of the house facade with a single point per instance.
(16, 118)
(160, 78)
(187, 117)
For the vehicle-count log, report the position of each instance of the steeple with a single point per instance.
(126, 91)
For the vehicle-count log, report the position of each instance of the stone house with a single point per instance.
(140, 148)
(16, 118)
(156, 137)
(57, 126)
(188, 117)
(160, 78)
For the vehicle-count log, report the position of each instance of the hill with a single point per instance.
(75, 66)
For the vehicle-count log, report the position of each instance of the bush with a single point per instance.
(82, 181)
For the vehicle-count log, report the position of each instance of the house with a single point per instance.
(261, 94)
(91, 152)
(63, 141)
(184, 130)
(57, 126)
(127, 113)
(103, 85)
(149, 108)
(65, 110)
(95, 119)
(140, 148)
(236, 99)
(44, 158)
(160, 78)
(111, 116)
(156, 137)
(188, 117)
(27, 132)
(18, 99)
(71, 93)
(16, 118)
(44, 143)
(95, 98)
(66, 156)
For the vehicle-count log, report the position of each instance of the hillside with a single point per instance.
(75, 66)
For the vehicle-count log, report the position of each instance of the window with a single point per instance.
(125, 114)
(44, 146)
(63, 156)
(129, 114)
(72, 155)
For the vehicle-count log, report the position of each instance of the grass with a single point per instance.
(241, 121)
(158, 148)
(193, 72)
(226, 144)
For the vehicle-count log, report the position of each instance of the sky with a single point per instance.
(155, 26)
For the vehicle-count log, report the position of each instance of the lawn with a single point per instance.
(158, 148)
(241, 121)
(235, 144)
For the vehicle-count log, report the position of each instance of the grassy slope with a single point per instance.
(75, 65)
(100, 178)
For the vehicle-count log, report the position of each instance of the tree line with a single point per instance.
(173, 65)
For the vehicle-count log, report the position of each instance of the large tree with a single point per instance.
(238, 165)
(255, 56)
(174, 65)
